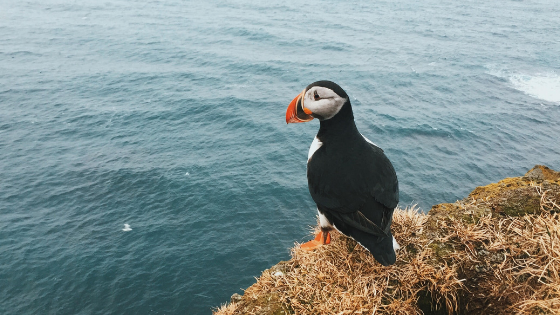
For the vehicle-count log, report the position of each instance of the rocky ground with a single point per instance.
(495, 252)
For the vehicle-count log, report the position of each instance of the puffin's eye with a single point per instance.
(316, 95)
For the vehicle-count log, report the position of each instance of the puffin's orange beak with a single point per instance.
(296, 112)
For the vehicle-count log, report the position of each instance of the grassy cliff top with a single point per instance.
(495, 252)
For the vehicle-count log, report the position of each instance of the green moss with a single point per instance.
(411, 248)
(268, 303)
(441, 250)
(526, 205)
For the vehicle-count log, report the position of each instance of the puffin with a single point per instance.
(350, 178)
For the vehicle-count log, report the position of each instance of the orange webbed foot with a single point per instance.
(320, 240)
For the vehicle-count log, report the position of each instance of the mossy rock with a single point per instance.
(264, 304)
(540, 173)
(514, 196)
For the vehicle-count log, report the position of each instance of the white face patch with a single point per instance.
(315, 145)
(323, 101)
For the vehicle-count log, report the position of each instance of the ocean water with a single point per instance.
(169, 116)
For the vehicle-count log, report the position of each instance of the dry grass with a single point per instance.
(507, 265)
(226, 309)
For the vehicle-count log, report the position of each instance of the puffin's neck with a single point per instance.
(341, 126)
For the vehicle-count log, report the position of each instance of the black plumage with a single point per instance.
(353, 183)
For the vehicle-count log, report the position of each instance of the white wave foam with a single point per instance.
(542, 86)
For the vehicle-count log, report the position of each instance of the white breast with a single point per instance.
(315, 145)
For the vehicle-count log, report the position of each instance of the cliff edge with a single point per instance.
(495, 252)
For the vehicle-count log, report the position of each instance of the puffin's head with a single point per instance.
(321, 100)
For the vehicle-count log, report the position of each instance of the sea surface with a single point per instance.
(169, 116)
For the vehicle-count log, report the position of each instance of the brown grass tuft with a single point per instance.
(226, 309)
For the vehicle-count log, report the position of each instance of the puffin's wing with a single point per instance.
(359, 221)
(386, 187)
(344, 179)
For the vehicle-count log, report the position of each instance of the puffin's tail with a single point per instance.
(380, 247)
(380, 243)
